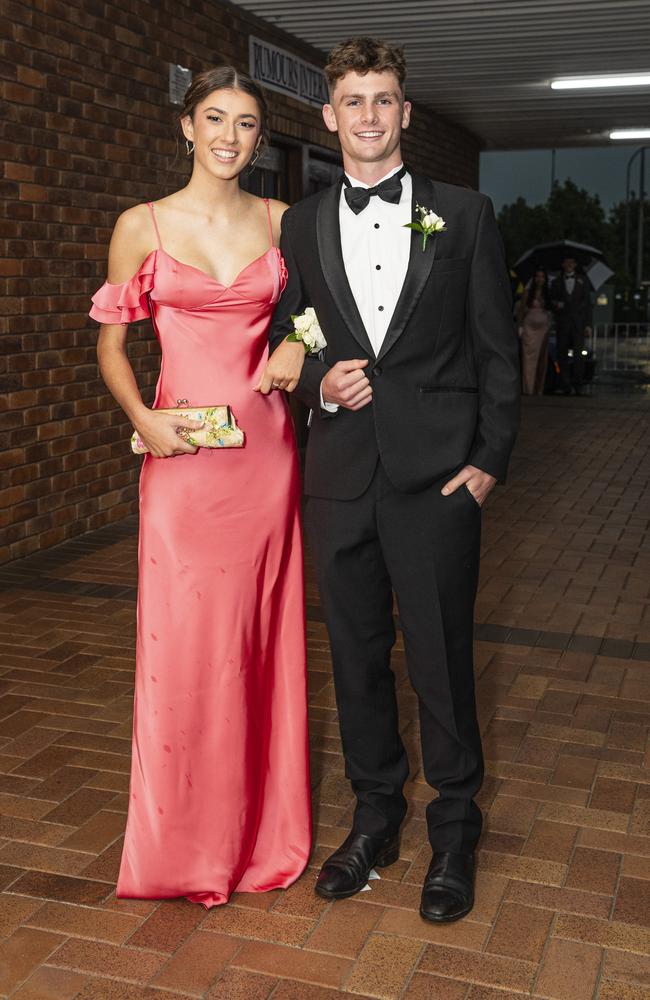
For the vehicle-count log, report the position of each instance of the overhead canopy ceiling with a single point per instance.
(487, 64)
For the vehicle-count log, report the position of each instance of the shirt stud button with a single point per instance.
(381, 309)
(377, 267)
(376, 225)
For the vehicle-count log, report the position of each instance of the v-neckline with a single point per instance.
(209, 277)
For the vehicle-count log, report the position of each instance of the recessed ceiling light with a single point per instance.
(601, 82)
(630, 133)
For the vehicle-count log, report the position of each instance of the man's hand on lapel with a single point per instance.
(347, 385)
(479, 483)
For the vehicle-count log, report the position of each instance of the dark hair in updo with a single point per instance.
(223, 78)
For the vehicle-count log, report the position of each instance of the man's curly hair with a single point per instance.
(364, 55)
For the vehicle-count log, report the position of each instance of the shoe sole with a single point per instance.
(447, 920)
(384, 861)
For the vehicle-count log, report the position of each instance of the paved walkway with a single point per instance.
(563, 674)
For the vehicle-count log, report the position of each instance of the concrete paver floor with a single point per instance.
(563, 681)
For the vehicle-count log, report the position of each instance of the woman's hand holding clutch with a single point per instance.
(283, 368)
(158, 432)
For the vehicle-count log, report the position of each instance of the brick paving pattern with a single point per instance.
(563, 679)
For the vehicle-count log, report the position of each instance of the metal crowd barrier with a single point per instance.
(621, 347)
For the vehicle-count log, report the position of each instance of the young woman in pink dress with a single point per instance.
(534, 329)
(219, 789)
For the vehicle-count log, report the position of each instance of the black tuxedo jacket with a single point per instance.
(572, 312)
(446, 384)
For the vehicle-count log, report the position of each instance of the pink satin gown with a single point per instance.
(219, 788)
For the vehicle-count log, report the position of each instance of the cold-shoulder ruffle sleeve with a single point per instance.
(127, 301)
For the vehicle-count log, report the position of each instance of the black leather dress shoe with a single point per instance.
(448, 892)
(346, 871)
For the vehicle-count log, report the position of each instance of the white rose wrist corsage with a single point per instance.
(306, 329)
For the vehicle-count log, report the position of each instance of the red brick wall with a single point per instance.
(86, 133)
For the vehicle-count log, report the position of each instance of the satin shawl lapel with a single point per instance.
(328, 233)
(419, 267)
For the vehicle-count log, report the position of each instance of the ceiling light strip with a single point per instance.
(630, 133)
(601, 82)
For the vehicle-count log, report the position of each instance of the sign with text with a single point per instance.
(280, 70)
(179, 80)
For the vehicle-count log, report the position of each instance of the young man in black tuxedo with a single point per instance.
(415, 405)
(571, 302)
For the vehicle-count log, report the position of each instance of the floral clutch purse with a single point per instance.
(219, 430)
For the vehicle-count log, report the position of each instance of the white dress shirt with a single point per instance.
(375, 248)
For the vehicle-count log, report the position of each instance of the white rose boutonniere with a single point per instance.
(306, 329)
(428, 224)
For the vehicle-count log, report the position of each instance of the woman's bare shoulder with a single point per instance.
(135, 225)
(132, 241)
(277, 210)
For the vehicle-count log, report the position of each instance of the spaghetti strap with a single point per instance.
(268, 212)
(155, 224)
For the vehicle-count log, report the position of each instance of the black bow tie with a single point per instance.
(389, 190)
(569, 277)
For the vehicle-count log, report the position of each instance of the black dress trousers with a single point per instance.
(425, 547)
(570, 336)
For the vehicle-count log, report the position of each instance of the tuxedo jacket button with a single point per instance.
(377, 370)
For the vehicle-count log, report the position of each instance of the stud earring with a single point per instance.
(189, 147)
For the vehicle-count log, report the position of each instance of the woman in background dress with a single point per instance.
(534, 328)
(219, 791)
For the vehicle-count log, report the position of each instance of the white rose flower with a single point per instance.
(307, 330)
(302, 322)
(433, 221)
(428, 224)
(319, 338)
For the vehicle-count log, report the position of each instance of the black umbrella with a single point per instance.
(550, 257)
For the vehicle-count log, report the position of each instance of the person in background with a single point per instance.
(534, 326)
(571, 303)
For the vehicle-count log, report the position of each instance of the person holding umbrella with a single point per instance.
(571, 303)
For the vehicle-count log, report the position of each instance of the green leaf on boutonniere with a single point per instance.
(429, 225)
